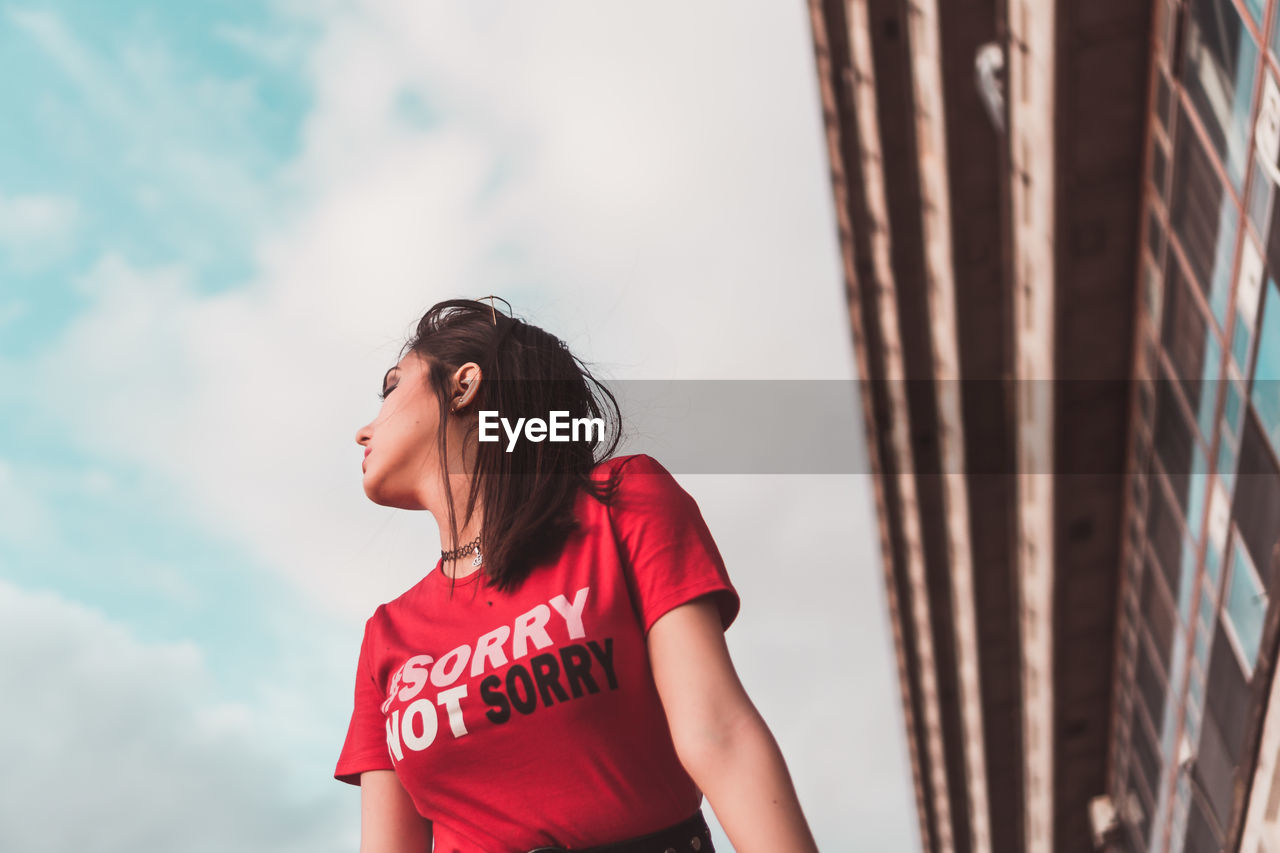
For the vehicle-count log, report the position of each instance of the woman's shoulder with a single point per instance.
(406, 604)
(632, 477)
(631, 462)
(378, 618)
(644, 485)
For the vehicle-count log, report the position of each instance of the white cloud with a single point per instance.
(113, 744)
(24, 519)
(33, 229)
(14, 310)
(187, 144)
(668, 180)
(47, 30)
(273, 48)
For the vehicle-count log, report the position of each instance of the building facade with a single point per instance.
(1061, 252)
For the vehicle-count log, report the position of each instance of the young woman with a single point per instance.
(559, 680)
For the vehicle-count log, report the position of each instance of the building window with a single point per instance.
(1226, 464)
(1244, 607)
(1203, 216)
(1221, 61)
(1192, 348)
(1257, 500)
(1198, 481)
(1155, 235)
(1240, 343)
(1157, 612)
(1228, 701)
(1202, 834)
(1146, 756)
(1151, 685)
(1207, 611)
(1260, 192)
(1202, 647)
(1256, 9)
(1266, 376)
(1139, 495)
(1232, 408)
(1138, 806)
(1164, 100)
(1160, 168)
(1214, 769)
(1166, 538)
(1195, 700)
(1151, 294)
(1176, 685)
(1181, 457)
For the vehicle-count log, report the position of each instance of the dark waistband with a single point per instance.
(690, 835)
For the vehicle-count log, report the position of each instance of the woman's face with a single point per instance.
(401, 460)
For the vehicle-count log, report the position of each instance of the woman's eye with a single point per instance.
(384, 394)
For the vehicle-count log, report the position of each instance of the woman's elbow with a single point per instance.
(705, 749)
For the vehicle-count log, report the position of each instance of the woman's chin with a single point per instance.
(375, 491)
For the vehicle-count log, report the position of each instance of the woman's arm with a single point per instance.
(389, 823)
(720, 737)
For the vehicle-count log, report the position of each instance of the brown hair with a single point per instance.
(529, 492)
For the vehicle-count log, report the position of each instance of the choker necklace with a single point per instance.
(473, 545)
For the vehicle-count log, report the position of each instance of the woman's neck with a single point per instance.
(462, 565)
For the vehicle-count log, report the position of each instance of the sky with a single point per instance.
(218, 224)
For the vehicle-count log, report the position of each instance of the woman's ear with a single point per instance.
(467, 379)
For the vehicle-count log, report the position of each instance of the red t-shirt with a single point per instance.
(528, 719)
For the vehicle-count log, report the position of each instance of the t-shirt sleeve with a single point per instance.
(366, 744)
(664, 544)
